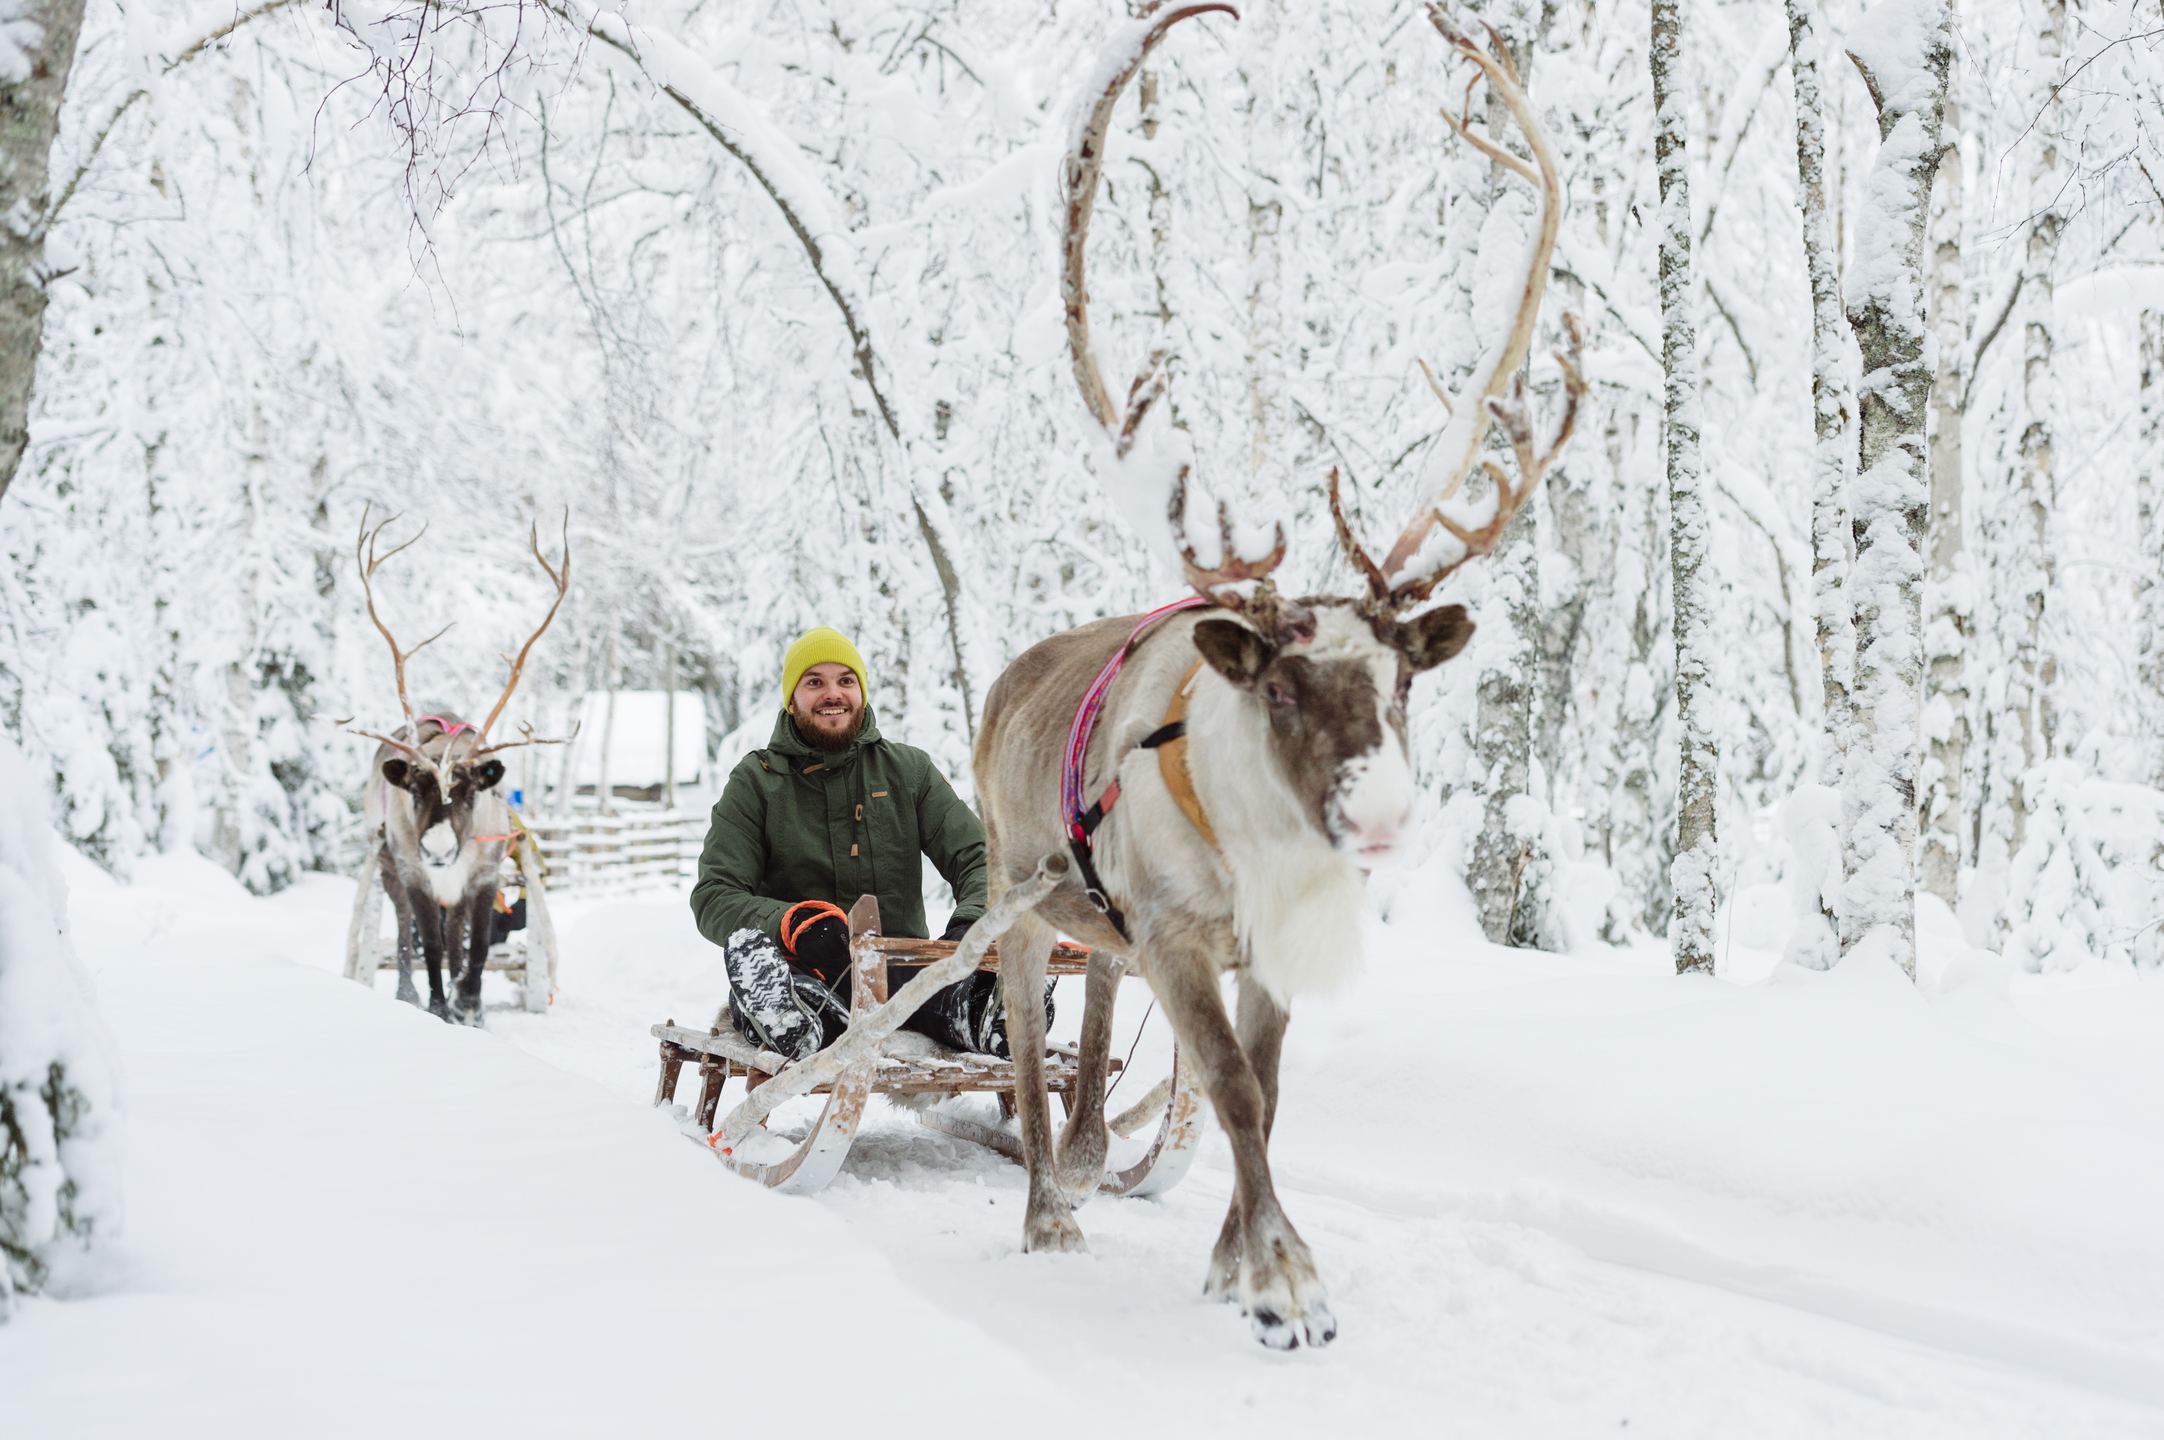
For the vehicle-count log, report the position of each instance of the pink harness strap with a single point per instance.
(1071, 811)
(442, 723)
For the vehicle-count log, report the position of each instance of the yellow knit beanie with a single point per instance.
(817, 646)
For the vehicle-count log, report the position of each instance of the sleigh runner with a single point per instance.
(860, 1064)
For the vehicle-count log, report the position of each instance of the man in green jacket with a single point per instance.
(827, 812)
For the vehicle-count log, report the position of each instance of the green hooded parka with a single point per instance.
(796, 823)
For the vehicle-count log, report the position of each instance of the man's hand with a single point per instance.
(816, 935)
(956, 929)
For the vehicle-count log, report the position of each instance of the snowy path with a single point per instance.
(1553, 1196)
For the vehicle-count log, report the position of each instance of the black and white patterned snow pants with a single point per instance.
(789, 1009)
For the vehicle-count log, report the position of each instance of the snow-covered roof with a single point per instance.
(638, 737)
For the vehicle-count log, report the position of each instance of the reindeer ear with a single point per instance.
(1233, 650)
(394, 770)
(487, 773)
(1426, 641)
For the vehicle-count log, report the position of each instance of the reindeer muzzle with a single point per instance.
(1371, 807)
(439, 845)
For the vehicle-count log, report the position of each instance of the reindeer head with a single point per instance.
(1323, 682)
(1325, 678)
(449, 790)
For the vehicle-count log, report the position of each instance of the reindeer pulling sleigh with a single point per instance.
(441, 831)
(1249, 757)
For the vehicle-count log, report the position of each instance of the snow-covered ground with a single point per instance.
(1552, 1195)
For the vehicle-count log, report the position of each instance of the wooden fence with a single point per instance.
(587, 852)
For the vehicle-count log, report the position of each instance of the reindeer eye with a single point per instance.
(1276, 694)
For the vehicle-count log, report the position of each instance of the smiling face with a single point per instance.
(827, 706)
(1335, 701)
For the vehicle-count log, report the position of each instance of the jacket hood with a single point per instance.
(785, 740)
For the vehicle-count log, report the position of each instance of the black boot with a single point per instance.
(987, 1027)
(766, 1000)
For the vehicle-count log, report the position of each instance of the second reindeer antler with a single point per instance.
(560, 575)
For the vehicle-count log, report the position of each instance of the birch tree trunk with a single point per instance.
(1947, 589)
(2149, 495)
(1816, 941)
(1570, 537)
(1689, 522)
(2033, 671)
(50, 1195)
(36, 53)
(1503, 742)
(1903, 52)
(1265, 265)
(1639, 842)
(605, 792)
(668, 725)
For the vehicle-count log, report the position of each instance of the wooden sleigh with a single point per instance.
(862, 1064)
(367, 951)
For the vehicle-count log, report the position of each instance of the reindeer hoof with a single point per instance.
(410, 995)
(464, 1014)
(1055, 1234)
(1317, 1328)
(441, 1009)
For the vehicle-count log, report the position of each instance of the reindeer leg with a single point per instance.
(432, 921)
(1260, 1023)
(457, 925)
(1276, 1283)
(476, 917)
(408, 942)
(1023, 952)
(1083, 1142)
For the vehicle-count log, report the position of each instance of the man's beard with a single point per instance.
(819, 740)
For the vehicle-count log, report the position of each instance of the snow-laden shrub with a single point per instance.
(57, 1190)
(1811, 822)
(2084, 869)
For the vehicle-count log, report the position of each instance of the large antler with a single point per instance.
(561, 576)
(1495, 392)
(1084, 168)
(1085, 165)
(367, 557)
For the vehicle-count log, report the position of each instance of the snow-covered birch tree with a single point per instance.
(1902, 50)
(37, 50)
(1948, 594)
(1689, 523)
(57, 1189)
(2033, 673)
(1815, 824)
(2149, 482)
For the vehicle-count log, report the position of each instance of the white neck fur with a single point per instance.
(1298, 905)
